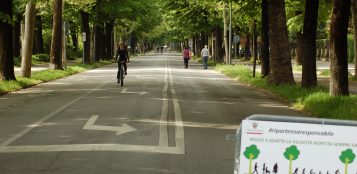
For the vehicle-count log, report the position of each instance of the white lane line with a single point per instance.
(179, 133)
(163, 137)
(37, 123)
(91, 147)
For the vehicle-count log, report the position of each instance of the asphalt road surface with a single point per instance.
(164, 120)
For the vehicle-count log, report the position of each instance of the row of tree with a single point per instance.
(143, 24)
(279, 20)
(29, 27)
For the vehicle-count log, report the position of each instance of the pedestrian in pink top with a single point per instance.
(186, 56)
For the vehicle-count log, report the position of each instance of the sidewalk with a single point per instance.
(321, 65)
(40, 67)
(34, 68)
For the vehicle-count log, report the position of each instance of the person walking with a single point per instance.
(204, 54)
(122, 57)
(186, 56)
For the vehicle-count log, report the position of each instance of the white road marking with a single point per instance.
(163, 137)
(179, 133)
(120, 130)
(125, 91)
(91, 147)
(23, 132)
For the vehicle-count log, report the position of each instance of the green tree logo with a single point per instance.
(251, 153)
(346, 158)
(291, 153)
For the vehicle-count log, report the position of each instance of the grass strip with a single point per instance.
(315, 101)
(45, 76)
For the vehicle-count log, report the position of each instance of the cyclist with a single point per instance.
(122, 58)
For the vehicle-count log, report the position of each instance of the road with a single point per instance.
(165, 119)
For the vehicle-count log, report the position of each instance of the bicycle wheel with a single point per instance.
(122, 77)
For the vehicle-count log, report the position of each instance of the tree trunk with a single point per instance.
(327, 50)
(200, 43)
(309, 77)
(213, 43)
(280, 57)
(27, 44)
(99, 42)
(38, 36)
(247, 53)
(219, 47)
(17, 36)
(6, 43)
(354, 19)
(92, 45)
(109, 37)
(99, 34)
(56, 41)
(225, 31)
(74, 36)
(299, 48)
(255, 46)
(338, 44)
(265, 39)
(299, 43)
(86, 30)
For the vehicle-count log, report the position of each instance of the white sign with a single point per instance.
(297, 148)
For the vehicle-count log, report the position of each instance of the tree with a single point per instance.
(27, 44)
(56, 41)
(309, 77)
(265, 39)
(225, 32)
(295, 16)
(38, 37)
(338, 45)
(83, 7)
(18, 12)
(347, 158)
(17, 35)
(187, 19)
(299, 43)
(6, 41)
(87, 33)
(99, 32)
(251, 153)
(354, 21)
(291, 153)
(280, 58)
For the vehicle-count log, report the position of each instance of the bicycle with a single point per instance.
(121, 73)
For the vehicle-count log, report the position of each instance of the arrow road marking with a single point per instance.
(125, 91)
(120, 130)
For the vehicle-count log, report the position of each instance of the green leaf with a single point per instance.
(251, 152)
(291, 153)
(347, 156)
